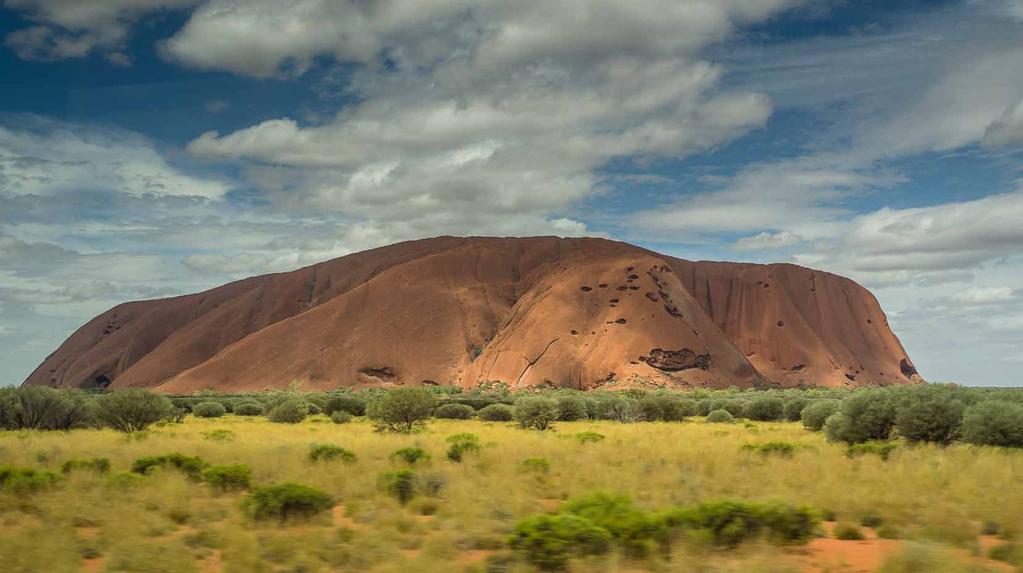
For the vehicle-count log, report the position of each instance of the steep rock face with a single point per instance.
(581, 313)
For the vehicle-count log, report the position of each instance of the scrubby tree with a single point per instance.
(865, 415)
(765, 409)
(42, 408)
(929, 414)
(794, 408)
(454, 412)
(496, 413)
(720, 417)
(132, 410)
(290, 411)
(209, 410)
(994, 423)
(348, 402)
(571, 407)
(537, 412)
(816, 413)
(402, 409)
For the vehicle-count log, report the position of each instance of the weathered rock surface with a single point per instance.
(581, 313)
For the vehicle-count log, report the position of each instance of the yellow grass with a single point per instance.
(168, 523)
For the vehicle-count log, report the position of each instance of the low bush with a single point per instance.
(765, 409)
(411, 456)
(865, 415)
(314, 409)
(191, 466)
(25, 480)
(793, 410)
(290, 411)
(929, 414)
(1007, 552)
(98, 465)
(228, 477)
(784, 449)
(286, 501)
(42, 408)
(720, 417)
(219, 435)
(848, 531)
(340, 417)
(880, 449)
(589, 437)
(329, 453)
(536, 412)
(728, 523)
(496, 413)
(571, 407)
(623, 409)
(461, 444)
(637, 531)
(549, 541)
(402, 410)
(402, 484)
(208, 410)
(994, 423)
(132, 410)
(816, 413)
(249, 409)
(536, 465)
(454, 412)
(350, 403)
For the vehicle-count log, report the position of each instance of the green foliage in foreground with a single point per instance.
(593, 524)
(98, 465)
(461, 444)
(411, 456)
(132, 410)
(228, 477)
(25, 480)
(286, 501)
(330, 452)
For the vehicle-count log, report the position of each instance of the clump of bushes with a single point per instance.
(881, 449)
(340, 417)
(720, 417)
(191, 466)
(848, 531)
(399, 483)
(228, 477)
(784, 449)
(729, 523)
(208, 410)
(929, 414)
(865, 415)
(25, 480)
(461, 444)
(349, 403)
(816, 413)
(286, 501)
(314, 409)
(330, 452)
(549, 541)
(536, 412)
(249, 409)
(132, 410)
(766, 409)
(454, 412)
(411, 455)
(793, 411)
(537, 465)
(290, 411)
(571, 407)
(496, 413)
(589, 437)
(98, 465)
(666, 408)
(402, 410)
(42, 408)
(219, 435)
(994, 423)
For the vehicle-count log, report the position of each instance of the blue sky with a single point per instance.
(157, 147)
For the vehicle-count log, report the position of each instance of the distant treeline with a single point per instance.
(926, 413)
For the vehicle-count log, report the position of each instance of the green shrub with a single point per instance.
(994, 423)
(314, 409)
(636, 530)
(286, 501)
(461, 444)
(402, 410)
(623, 409)
(496, 413)
(571, 407)
(765, 409)
(228, 477)
(454, 412)
(42, 408)
(402, 484)
(25, 480)
(784, 449)
(329, 453)
(537, 465)
(865, 415)
(720, 417)
(848, 531)
(350, 403)
(703, 407)
(208, 410)
(411, 456)
(340, 417)
(793, 411)
(290, 411)
(549, 541)
(665, 407)
(249, 409)
(878, 448)
(589, 437)
(1007, 552)
(98, 465)
(816, 413)
(191, 466)
(929, 414)
(729, 523)
(132, 410)
(219, 435)
(536, 412)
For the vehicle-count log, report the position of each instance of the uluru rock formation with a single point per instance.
(581, 313)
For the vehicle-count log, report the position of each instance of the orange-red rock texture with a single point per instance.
(580, 313)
